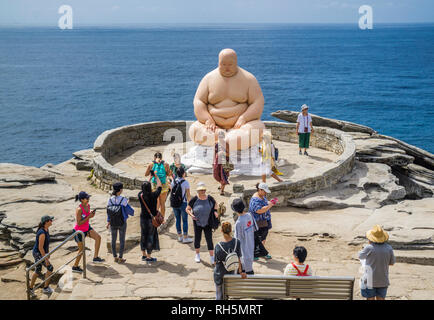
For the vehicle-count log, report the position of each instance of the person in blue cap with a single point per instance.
(40, 249)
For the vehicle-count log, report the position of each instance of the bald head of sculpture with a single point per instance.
(228, 63)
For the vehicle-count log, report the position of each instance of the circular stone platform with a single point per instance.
(294, 167)
(124, 153)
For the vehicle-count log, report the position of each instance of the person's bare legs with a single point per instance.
(47, 282)
(95, 236)
(373, 298)
(32, 283)
(275, 176)
(80, 249)
(264, 178)
(222, 189)
(162, 203)
(380, 298)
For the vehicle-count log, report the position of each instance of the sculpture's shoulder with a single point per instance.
(248, 76)
(212, 75)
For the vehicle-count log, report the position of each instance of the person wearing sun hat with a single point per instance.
(200, 208)
(377, 256)
(304, 128)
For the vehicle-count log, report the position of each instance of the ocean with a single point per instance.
(59, 89)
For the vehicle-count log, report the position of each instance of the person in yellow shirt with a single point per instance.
(267, 151)
(298, 268)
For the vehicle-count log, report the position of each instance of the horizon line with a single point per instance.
(209, 24)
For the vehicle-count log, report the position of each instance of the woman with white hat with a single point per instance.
(378, 256)
(260, 207)
(200, 208)
(304, 129)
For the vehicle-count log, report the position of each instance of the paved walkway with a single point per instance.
(177, 276)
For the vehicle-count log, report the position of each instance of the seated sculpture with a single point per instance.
(228, 98)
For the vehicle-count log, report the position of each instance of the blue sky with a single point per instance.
(115, 12)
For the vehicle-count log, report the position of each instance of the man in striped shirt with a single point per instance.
(298, 268)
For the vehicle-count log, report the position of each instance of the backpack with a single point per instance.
(176, 198)
(231, 262)
(115, 214)
(160, 171)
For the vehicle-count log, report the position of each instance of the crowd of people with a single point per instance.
(242, 245)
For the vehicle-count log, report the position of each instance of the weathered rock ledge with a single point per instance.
(382, 181)
(411, 165)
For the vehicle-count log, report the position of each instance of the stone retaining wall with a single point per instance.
(324, 138)
(116, 141)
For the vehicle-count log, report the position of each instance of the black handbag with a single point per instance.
(262, 223)
(213, 221)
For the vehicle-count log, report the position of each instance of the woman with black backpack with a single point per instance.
(228, 254)
(118, 211)
(179, 198)
(203, 209)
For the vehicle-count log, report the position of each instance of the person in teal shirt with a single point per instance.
(162, 170)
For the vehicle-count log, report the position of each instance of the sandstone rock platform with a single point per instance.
(330, 223)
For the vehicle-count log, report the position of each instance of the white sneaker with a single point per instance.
(180, 239)
(187, 240)
(47, 290)
(211, 260)
(197, 258)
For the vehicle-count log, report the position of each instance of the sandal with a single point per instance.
(121, 260)
(116, 259)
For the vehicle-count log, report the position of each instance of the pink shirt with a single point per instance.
(85, 226)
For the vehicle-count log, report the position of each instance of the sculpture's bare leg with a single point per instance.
(248, 135)
(200, 135)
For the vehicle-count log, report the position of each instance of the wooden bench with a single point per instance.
(278, 287)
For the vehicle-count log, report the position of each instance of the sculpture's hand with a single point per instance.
(240, 122)
(210, 124)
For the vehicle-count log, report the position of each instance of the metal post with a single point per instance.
(27, 285)
(49, 254)
(84, 254)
